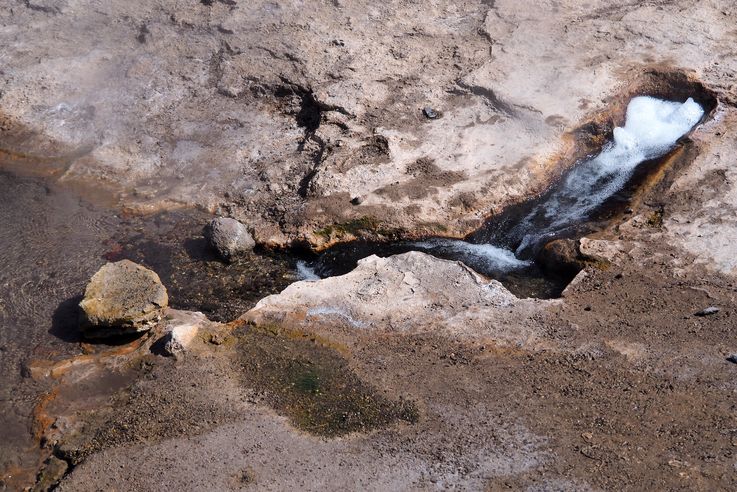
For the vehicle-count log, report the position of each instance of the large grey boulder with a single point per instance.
(228, 237)
(122, 298)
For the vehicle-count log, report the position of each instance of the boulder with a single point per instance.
(228, 237)
(122, 298)
(561, 257)
(409, 293)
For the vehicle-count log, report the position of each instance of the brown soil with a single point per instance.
(640, 397)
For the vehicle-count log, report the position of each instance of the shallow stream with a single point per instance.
(52, 241)
(508, 246)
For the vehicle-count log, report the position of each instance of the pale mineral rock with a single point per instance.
(409, 293)
(182, 328)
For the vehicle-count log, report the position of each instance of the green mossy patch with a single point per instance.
(310, 382)
(353, 227)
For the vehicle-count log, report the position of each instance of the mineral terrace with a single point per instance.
(317, 122)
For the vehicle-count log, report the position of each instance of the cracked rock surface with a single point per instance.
(283, 114)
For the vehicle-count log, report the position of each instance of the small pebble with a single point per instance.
(356, 200)
(430, 113)
(732, 358)
(708, 311)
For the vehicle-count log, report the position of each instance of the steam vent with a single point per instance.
(338, 245)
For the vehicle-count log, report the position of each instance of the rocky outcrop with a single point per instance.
(122, 298)
(228, 237)
(194, 103)
(408, 293)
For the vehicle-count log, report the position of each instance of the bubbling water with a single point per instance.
(483, 257)
(652, 128)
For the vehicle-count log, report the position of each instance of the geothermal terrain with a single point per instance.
(495, 244)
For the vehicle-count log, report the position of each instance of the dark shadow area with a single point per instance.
(157, 348)
(65, 326)
(117, 340)
(198, 250)
(65, 321)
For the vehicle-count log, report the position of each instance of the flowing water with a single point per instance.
(52, 241)
(506, 247)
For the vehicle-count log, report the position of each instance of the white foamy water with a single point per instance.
(651, 130)
(305, 272)
(491, 257)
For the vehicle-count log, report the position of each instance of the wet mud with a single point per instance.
(309, 381)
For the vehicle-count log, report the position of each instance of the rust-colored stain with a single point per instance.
(41, 418)
(55, 369)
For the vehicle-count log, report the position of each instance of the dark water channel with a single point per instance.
(490, 249)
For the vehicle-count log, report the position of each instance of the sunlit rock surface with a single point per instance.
(122, 298)
(409, 293)
(284, 115)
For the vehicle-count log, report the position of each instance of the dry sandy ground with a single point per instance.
(281, 113)
(620, 388)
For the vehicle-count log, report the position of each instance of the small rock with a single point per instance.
(122, 298)
(180, 331)
(179, 339)
(228, 237)
(732, 358)
(430, 113)
(708, 311)
(357, 200)
(51, 474)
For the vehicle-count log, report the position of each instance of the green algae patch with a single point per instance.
(353, 227)
(312, 384)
